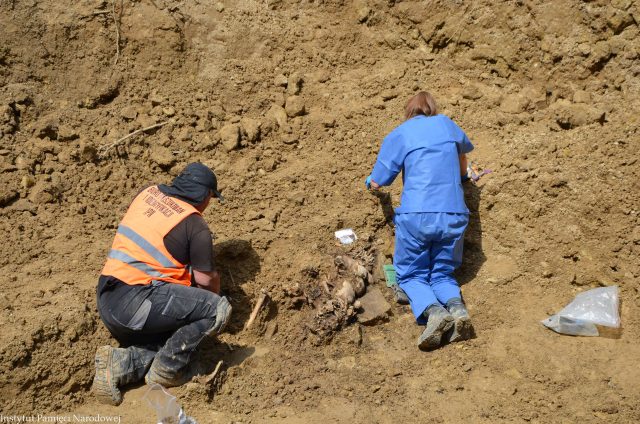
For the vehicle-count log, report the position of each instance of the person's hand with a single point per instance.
(371, 185)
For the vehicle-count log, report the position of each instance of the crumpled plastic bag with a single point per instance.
(167, 408)
(586, 311)
(346, 236)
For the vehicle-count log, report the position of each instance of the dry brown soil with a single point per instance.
(288, 102)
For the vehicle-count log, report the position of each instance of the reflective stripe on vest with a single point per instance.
(146, 246)
(138, 254)
(123, 257)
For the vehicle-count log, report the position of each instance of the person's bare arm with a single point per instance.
(463, 164)
(207, 280)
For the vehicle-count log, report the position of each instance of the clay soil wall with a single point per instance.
(288, 102)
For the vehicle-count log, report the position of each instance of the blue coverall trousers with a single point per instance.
(428, 249)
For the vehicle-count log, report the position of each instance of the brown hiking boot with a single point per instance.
(111, 371)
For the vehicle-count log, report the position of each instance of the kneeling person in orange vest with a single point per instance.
(159, 291)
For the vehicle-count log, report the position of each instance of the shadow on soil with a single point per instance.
(474, 256)
(237, 262)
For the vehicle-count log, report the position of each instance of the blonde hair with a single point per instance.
(422, 103)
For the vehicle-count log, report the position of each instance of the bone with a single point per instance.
(346, 292)
(352, 266)
(359, 286)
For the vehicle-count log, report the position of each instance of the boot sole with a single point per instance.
(433, 340)
(462, 330)
(103, 387)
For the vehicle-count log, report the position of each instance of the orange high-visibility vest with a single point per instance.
(138, 255)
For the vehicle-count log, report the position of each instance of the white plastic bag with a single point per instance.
(588, 309)
(346, 236)
(166, 406)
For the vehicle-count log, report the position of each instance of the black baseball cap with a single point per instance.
(203, 175)
(193, 185)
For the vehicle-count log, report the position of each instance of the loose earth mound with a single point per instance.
(288, 102)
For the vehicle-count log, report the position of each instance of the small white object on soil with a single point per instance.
(346, 236)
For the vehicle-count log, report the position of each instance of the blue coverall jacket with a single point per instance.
(432, 216)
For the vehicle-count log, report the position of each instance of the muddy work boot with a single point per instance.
(439, 321)
(154, 376)
(113, 370)
(399, 295)
(160, 374)
(462, 329)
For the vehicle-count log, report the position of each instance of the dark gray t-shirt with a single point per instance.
(190, 243)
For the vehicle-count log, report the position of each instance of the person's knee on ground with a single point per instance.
(462, 329)
(167, 374)
(223, 314)
(439, 322)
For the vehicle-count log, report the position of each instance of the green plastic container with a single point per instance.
(390, 275)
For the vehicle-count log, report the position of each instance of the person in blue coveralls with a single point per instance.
(430, 150)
